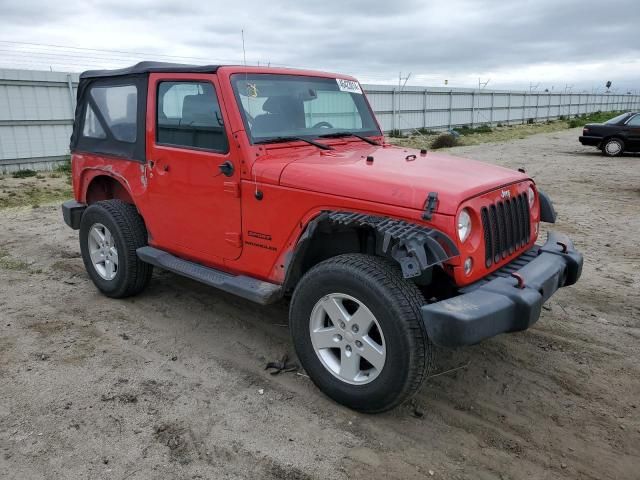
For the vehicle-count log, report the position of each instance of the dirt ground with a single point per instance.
(171, 384)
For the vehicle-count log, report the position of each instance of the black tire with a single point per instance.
(129, 233)
(395, 303)
(616, 147)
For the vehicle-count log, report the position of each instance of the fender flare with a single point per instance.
(547, 212)
(416, 248)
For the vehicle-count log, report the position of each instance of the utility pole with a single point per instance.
(401, 86)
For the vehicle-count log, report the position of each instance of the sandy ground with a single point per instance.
(171, 384)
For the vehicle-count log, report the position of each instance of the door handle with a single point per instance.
(226, 168)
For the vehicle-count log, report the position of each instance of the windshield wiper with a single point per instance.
(291, 139)
(349, 134)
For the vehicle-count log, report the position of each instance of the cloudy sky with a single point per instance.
(514, 43)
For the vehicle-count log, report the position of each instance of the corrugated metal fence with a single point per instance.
(36, 111)
(435, 108)
(36, 116)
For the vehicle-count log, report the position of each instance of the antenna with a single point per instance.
(244, 52)
(246, 81)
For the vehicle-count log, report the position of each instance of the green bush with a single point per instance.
(27, 172)
(396, 134)
(65, 167)
(446, 140)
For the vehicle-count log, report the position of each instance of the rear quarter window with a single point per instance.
(117, 106)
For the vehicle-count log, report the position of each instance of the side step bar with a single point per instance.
(241, 285)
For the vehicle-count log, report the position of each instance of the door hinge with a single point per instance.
(233, 238)
(232, 188)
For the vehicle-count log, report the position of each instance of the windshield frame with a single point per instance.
(375, 132)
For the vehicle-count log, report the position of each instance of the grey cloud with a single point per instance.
(458, 37)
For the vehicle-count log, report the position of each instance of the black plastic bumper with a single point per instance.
(502, 303)
(72, 213)
(590, 141)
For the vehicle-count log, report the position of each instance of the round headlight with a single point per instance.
(464, 225)
(532, 197)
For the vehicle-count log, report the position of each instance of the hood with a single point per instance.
(396, 176)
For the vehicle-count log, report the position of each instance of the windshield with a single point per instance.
(277, 106)
(617, 119)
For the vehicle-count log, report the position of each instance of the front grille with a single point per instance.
(506, 227)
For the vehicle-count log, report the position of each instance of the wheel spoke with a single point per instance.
(107, 237)
(363, 318)
(372, 352)
(349, 365)
(325, 338)
(335, 310)
(97, 235)
(96, 256)
(108, 266)
(114, 255)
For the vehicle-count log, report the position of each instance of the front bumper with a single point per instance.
(590, 141)
(502, 303)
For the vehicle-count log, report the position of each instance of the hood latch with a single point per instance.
(430, 205)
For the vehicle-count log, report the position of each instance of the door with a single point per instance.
(633, 133)
(193, 206)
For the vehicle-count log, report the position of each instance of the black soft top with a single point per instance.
(150, 67)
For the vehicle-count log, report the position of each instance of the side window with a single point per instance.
(118, 108)
(188, 115)
(634, 122)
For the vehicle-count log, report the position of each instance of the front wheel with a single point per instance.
(613, 147)
(357, 330)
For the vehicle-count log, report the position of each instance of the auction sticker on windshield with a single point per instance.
(348, 86)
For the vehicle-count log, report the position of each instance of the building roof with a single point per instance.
(150, 67)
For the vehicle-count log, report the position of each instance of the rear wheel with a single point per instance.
(613, 147)
(110, 233)
(357, 330)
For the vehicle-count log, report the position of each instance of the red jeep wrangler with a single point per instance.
(269, 183)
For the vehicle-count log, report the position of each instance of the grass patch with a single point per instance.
(467, 130)
(64, 168)
(24, 173)
(9, 263)
(31, 191)
(499, 133)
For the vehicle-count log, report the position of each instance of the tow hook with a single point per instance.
(564, 246)
(519, 278)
